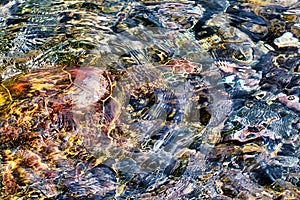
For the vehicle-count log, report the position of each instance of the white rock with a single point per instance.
(287, 40)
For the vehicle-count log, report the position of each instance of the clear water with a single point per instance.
(149, 99)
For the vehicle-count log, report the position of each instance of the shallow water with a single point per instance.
(149, 99)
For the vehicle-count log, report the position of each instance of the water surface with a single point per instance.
(149, 99)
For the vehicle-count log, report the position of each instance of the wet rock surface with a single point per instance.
(149, 99)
